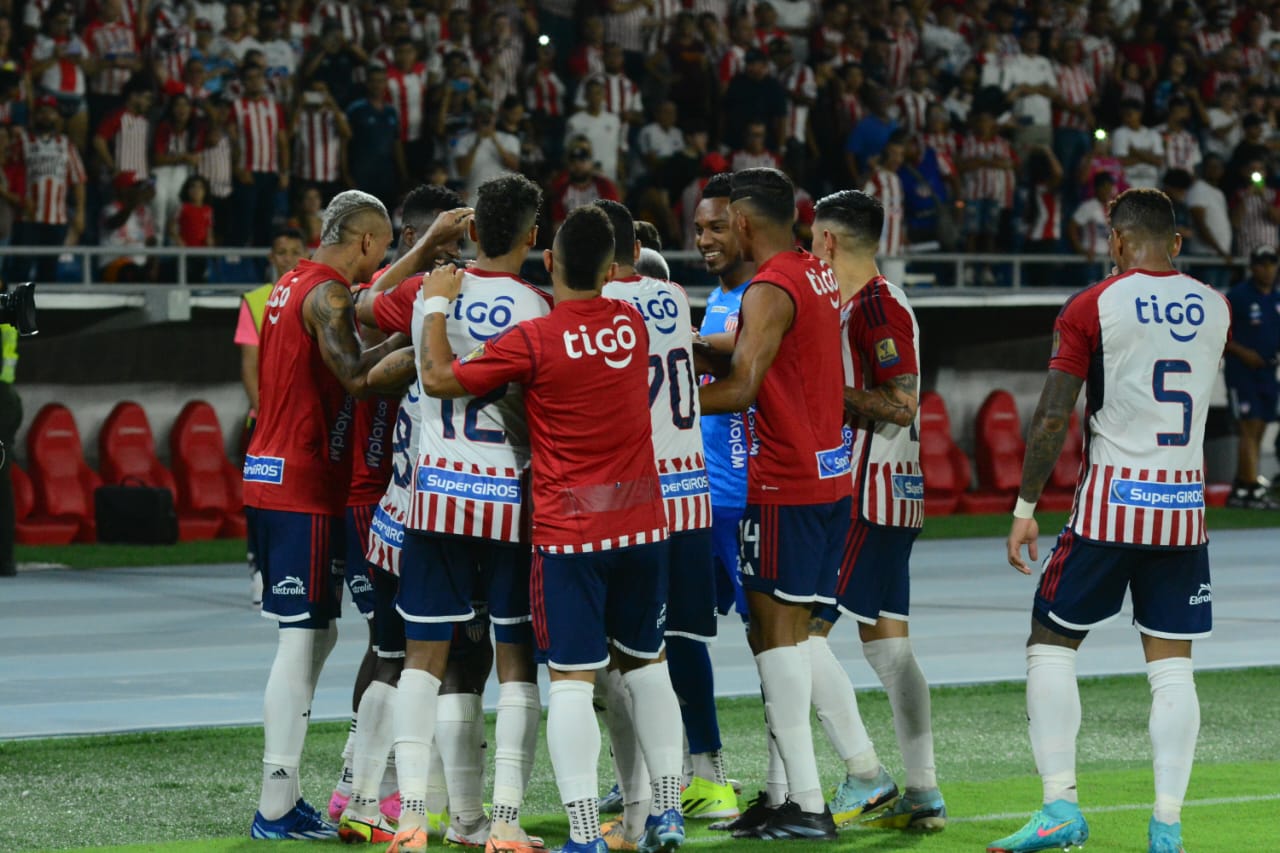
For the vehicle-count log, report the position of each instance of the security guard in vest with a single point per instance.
(10, 420)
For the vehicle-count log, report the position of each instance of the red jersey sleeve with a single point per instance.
(1076, 334)
(507, 358)
(393, 309)
(884, 331)
(110, 125)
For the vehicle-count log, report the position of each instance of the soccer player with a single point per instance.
(724, 437)
(599, 526)
(881, 395)
(1138, 518)
(691, 601)
(463, 536)
(787, 362)
(296, 474)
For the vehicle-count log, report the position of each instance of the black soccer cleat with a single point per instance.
(789, 823)
(755, 815)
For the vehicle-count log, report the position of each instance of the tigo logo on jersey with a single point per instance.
(824, 284)
(621, 337)
(684, 484)
(1188, 313)
(386, 528)
(477, 487)
(291, 585)
(1204, 595)
(484, 321)
(662, 311)
(264, 469)
(1139, 493)
(908, 487)
(887, 352)
(834, 462)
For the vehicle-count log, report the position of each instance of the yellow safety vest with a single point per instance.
(256, 299)
(9, 352)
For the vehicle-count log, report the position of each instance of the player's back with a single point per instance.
(798, 455)
(299, 458)
(1148, 346)
(472, 450)
(673, 396)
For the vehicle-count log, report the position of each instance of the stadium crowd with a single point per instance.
(978, 124)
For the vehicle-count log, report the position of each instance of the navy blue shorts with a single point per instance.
(299, 556)
(691, 593)
(724, 547)
(875, 574)
(356, 569)
(793, 552)
(388, 624)
(584, 602)
(1083, 583)
(441, 575)
(1253, 399)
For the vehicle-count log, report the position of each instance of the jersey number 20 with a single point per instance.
(672, 370)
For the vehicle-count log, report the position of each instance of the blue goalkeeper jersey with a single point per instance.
(724, 437)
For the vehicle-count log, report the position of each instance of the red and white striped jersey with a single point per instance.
(1101, 53)
(259, 121)
(733, 61)
(1047, 224)
(53, 166)
(171, 140)
(346, 14)
(1256, 228)
(64, 76)
(881, 341)
(673, 398)
(105, 42)
(507, 60)
(663, 18)
(844, 54)
(317, 147)
(407, 92)
(987, 183)
(886, 186)
(799, 82)
(1181, 150)
(1148, 346)
(545, 93)
(945, 144)
(621, 96)
(1209, 42)
(853, 106)
(128, 135)
(627, 28)
(473, 451)
(746, 160)
(913, 108)
(386, 532)
(1253, 60)
(902, 52)
(1075, 84)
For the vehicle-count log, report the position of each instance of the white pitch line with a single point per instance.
(1126, 807)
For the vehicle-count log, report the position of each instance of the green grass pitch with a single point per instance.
(196, 790)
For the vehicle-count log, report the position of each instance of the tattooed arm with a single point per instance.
(1044, 445)
(395, 373)
(329, 319)
(435, 367)
(894, 402)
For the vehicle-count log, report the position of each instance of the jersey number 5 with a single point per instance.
(1163, 368)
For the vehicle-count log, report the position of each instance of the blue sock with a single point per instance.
(690, 665)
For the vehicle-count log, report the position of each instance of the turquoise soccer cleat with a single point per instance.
(916, 811)
(856, 797)
(1164, 837)
(1057, 826)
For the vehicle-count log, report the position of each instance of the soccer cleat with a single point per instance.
(571, 846)
(390, 807)
(475, 835)
(663, 833)
(1057, 826)
(1256, 496)
(857, 797)
(409, 841)
(1164, 837)
(338, 805)
(611, 803)
(301, 823)
(706, 800)
(736, 785)
(438, 823)
(789, 823)
(359, 830)
(922, 811)
(614, 837)
(528, 844)
(758, 811)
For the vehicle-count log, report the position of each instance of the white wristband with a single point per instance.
(435, 305)
(1024, 509)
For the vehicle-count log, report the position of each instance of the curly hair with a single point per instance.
(506, 208)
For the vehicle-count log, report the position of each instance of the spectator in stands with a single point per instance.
(621, 95)
(215, 162)
(335, 61)
(1090, 227)
(263, 166)
(802, 91)
(912, 104)
(127, 223)
(884, 185)
(13, 188)
(693, 76)
(1250, 370)
(1225, 122)
(1043, 210)
(192, 224)
(407, 85)
(1139, 148)
(59, 63)
(580, 184)
(587, 58)
(55, 176)
(1211, 221)
(1255, 213)
(1251, 148)
(113, 48)
(320, 133)
(1073, 119)
(544, 98)
(871, 134)
(375, 157)
(307, 216)
(175, 155)
(459, 96)
(1100, 159)
(122, 140)
(988, 165)
(753, 153)
(1176, 183)
(235, 41)
(281, 59)
(1181, 147)
(929, 191)
(485, 152)
(603, 129)
(659, 140)
(754, 95)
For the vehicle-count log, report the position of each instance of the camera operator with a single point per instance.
(10, 420)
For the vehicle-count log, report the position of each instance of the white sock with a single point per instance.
(788, 687)
(573, 739)
(515, 741)
(286, 709)
(348, 773)
(775, 780)
(710, 766)
(898, 670)
(437, 800)
(1174, 726)
(837, 707)
(414, 725)
(326, 639)
(659, 729)
(390, 783)
(372, 743)
(459, 735)
(628, 756)
(1053, 715)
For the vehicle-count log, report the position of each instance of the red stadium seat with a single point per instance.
(945, 465)
(32, 529)
(62, 481)
(208, 484)
(998, 450)
(1059, 492)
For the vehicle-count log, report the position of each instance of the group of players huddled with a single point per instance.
(593, 481)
